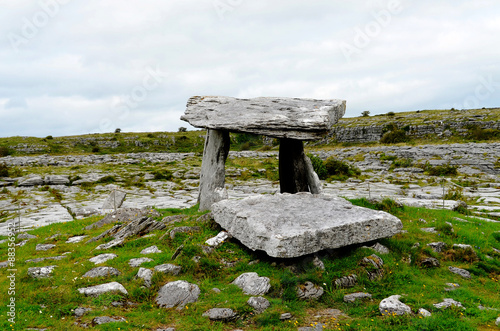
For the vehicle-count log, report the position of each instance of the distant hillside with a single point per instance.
(420, 127)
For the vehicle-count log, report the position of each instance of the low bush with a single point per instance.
(4, 170)
(5, 151)
(163, 174)
(319, 166)
(339, 169)
(394, 137)
(440, 170)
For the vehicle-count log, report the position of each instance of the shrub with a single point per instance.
(5, 151)
(391, 113)
(340, 169)
(478, 133)
(95, 149)
(365, 113)
(118, 130)
(394, 137)
(402, 163)
(4, 170)
(49, 137)
(440, 170)
(319, 166)
(182, 129)
(162, 174)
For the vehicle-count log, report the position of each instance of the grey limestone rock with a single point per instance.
(184, 229)
(303, 119)
(217, 240)
(97, 290)
(451, 287)
(437, 246)
(25, 235)
(292, 225)
(32, 181)
(430, 262)
(356, 296)
(374, 266)
(151, 250)
(146, 275)
(44, 247)
(74, 240)
(56, 180)
(447, 303)
(106, 319)
(114, 200)
(424, 312)
(252, 284)
(392, 305)
(460, 272)
(41, 272)
(177, 294)
(111, 244)
(309, 291)
(285, 316)
(40, 259)
(497, 322)
(101, 272)
(124, 215)
(137, 262)
(80, 311)
(102, 258)
(379, 248)
(221, 314)
(168, 269)
(346, 282)
(260, 304)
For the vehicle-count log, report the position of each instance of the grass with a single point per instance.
(51, 303)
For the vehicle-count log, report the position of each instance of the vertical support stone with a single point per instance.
(292, 166)
(213, 170)
(315, 185)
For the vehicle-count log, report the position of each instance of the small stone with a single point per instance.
(252, 284)
(260, 304)
(80, 311)
(379, 248)
(220, 314)
(168, 269)
(497, 322)
(112, 243)
(102, 258)
(285, 316)
(448, 303)
(114, 200)
(437, 246)
(137, 262)
(4, 264)
(117, 304)
(103, 288)
(41, 272)
(460, 272)
(451, 287)
(74, 240)
(22, 243)
(106, 319)
(25, 235)
(346, 282)
(101, 272)
(146, 275)
(424, 312)
(151, 250)
(216, 290)
(430, 263)
(177, 294)
(44, 247)
(309, 291)
(415, 245)
(318, 263)
(429, 230)
(392, 305)
(356, 296)
(217, 240)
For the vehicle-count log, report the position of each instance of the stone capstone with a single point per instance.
(302, 119)
(292, 225)
(252, 284)
(392, 305)
(177, 294)
(97, 290)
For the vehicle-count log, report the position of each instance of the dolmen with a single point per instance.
(301, 219)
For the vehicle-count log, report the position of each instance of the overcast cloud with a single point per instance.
(73, 67)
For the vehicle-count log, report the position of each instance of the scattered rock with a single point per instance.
(497, 322)
(146, 275)
(102, 258)
(137, 262)
(451, 287)
(346, 282)
(437, 246)
(97, 290)
(111, 244)
(356, 296)
(177, 294)
(26, 236)
(448, 303)
(392, 305)
(221, 314)
(33, 181)
(40, 259)
(151, 250)
(318, 263)
(373, 265)
(429, 230)
(309, 291)
(379, 248)
(424, 312)
(41, 272)
(285, 316)
(430, 262)
(75, 240)
(177, 252)
(101, 272)
(168, 269)
(460, 272)
(80, 311)
(4, 264)
(260, 304)
(22, 243)
(114, 200)
(44, 247)
(216, 290)
(217, 240)
(124, 215)
(56, 180)
(252, 284)
(106, 319)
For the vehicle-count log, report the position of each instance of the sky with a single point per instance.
(72, 67)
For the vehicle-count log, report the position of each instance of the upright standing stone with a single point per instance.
(213, 168)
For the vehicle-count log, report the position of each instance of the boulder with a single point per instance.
(430, 262)
(80, 311)
(146, 275)
(302, 119)
(44, 247)
(293, 225)
(346, 282)
(252, 284)
(75, 240)
(25, 235)
(41, 272)
(260, 304)
(101, 272)
(460, 272)
(56, 180)
(218, 239)
(32, 181)
(447, 303)
(221, 314)
(309, 291)
(356, 296)
(114, 200)
(437, 246)
(151, 250)
(168, 269)
(106, 319)
(137, 262)
(97, 290)
(424, 312)
(392, 305)
(177, 294)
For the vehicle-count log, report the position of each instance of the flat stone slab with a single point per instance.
(293, 225)
(97, 290)
(302, 119)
